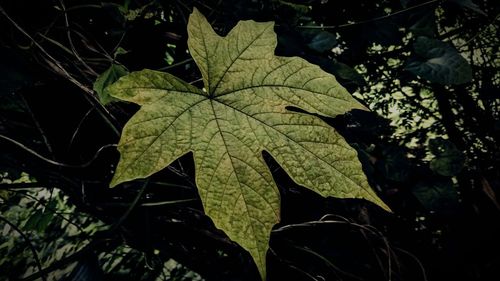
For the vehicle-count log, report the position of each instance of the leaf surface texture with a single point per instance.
(242, 111)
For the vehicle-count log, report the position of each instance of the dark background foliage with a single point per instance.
(428, 70)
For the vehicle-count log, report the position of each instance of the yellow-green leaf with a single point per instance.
(243, 111)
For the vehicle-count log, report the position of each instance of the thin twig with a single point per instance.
(50, 161)
(58, 68)
(290, 265)
(75, 133)
(325, 220)
(424, 275)
(77, 7)
(334, 268)
(70, 40)
(172, 184)
(130, 208)
(37, 125)
(171, 202)
(56, 43)
(176, 64)
(20, 185)
(369, 20)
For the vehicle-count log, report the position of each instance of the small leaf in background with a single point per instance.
(4, 195)
(437, 196)
(323, 41)
(448, 160)
(39, 220)
(439, 62)
(109, 76)
(119, 51)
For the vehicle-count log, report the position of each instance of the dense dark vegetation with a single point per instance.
(428, 70)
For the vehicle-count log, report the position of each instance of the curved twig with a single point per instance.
(50, 161)
(370, 20)
(130, 207)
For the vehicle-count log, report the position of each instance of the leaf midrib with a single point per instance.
(237, 178)
(213, 90)
(206, 98)
(237, 91)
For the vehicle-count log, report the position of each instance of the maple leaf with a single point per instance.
(241, 112)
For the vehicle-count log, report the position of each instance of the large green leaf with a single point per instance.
(242, 111)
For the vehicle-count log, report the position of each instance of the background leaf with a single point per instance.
(322, 41)
(439, 62)
(437, 196)
(107, 78)
(449, 161)
(468, 4)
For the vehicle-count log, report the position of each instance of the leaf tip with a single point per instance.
(363, 107)
(196, 13)
(373, 198)
(114, 182)
(385, 207)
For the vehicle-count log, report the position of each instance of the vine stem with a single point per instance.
(58, 68)
(130, 207)
(370, 20)
(50, 161)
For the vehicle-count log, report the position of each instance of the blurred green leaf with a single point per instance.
(423, 24)
(39, 220)
(120, 51)
(449, 161)
(394, 165)
(439, 62)
(437, 196)
(343, 71)
(4, 194)
(468, 4)
(322, 42)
